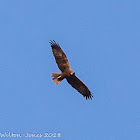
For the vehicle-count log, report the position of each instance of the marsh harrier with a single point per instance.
(63, 65)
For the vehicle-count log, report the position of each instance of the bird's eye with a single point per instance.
(73, 73)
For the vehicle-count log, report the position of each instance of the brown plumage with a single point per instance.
(63, 65)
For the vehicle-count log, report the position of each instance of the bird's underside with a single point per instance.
(67, 73)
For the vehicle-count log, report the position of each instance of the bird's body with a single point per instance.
(67, 72)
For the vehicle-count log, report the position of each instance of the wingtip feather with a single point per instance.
(90, 96)
(52, 42)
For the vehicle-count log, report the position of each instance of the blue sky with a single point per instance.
(102, 42)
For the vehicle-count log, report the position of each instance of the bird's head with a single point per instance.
(72, 73)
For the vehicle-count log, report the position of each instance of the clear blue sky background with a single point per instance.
(102, 41)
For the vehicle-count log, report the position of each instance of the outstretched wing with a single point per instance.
(76, 83)
(60, 57)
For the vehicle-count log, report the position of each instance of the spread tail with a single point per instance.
(56, 78)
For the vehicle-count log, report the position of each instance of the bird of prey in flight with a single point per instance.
(63, 65)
